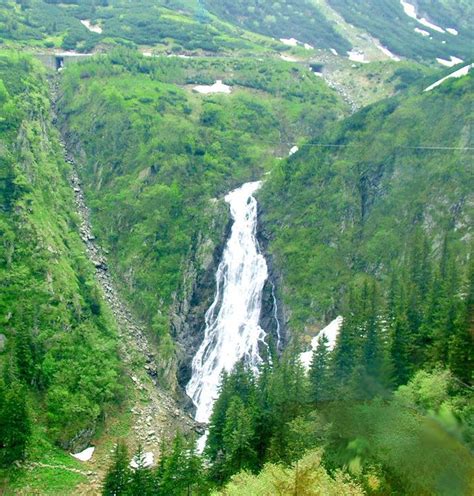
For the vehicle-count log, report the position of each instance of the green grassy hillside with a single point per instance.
(155, 153)
(353, 207)
(60, 344)
(386, 21)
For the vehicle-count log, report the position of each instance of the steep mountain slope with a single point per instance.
(387, 21)
(298, 19)
(335, 212)
(84, 25)
(154, 154)
(59, 338)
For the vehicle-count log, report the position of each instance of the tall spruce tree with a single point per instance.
(15, 424)
(118, 477)
(319, 378)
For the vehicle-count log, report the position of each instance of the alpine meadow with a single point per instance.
(236, 248)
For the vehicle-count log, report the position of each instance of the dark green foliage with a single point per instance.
(319, 372)
(15, 428)
(61, 342)
(364, 205)
(299, 19)
(165, 152)
(119, 474)
(180, 471)
(386, 20)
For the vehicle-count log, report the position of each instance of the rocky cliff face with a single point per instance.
(197, 292)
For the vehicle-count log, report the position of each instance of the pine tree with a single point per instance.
(238, 438)
(461, 344)
(141, 480)
(15, 425)
(319, 372)
(180, 471)
(118, 476)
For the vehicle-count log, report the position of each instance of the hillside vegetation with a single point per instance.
(59, 364)
(386, 21)
(356, 206)
(155, 154)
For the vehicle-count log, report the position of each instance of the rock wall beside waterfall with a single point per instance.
(274, 316)
(197, 291)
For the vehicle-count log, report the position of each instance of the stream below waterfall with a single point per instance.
(232, 331)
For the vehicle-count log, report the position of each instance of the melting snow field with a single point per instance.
(459, 73)
(388, 53)
(147, 460)
(84, 456)
(357, 56)
(217, 87)
(452, 31)
(422, 32)
(451, 62)
(91, 27)
(293, 149)
(410, 11)
(330, 331)
(289, 41)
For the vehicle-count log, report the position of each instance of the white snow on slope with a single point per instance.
(91, 27)
(357, 56)
(388, 53)
(85, 455)
(289, 41)
(422, 32)
(452, 31)
(147, 460)
(451, 62)
(217, 87)
(293, 150)
(456, 74)
(410, 11)
(330, 331)
(333, 51)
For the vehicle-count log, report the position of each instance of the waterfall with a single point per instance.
(232, 331)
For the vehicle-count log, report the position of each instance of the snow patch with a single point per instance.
(333, 51)
(147, 460)
(217, 87)
(452, 31)
(331, 332)
(289, 41)
(308, 46)
(95, 28)
(422, 32)
(456, 74)
(357, 56)
(85, 455)
(293, 150)
(388, 53)
(410, 11)
(451, 62)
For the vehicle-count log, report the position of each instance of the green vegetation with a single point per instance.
(299, 19)
(59, 363)
(359, 207)
(386, 20)
(172, 24)
(156, 154)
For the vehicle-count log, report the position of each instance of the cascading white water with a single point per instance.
(232, 331)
